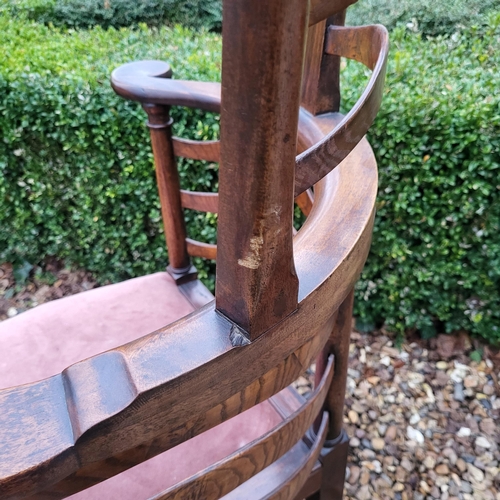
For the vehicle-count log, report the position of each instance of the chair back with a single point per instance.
(281, 301)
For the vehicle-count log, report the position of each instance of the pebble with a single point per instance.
(464, 432)
(482, 442)
(11, 312)
(475, 473)
(353, 417)
(415, 435)
(442, 470)
(378, 444)
(458, 392)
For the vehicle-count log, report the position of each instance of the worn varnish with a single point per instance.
(281, 301)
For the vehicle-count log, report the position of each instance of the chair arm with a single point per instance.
(149, 82)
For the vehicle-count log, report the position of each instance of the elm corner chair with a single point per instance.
(95, 405)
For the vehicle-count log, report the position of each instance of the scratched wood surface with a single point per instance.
(110, 412)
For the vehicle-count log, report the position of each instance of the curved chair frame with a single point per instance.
(158, 391)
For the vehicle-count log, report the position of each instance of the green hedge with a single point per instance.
(77, 177)
(435, 259)
(430, 17)
(76, 170)
(120, 13)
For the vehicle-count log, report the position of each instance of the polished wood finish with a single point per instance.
(234, 470)
(204, 202)
(149, 82)
(167, 177)
(323, 9)
(315, 163)
(286, 477)
(255, 234)
(280, 302)
(199, 249)
(197, 150)
(321, 80)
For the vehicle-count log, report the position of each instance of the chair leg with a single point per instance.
(334, 454)
(334, 461)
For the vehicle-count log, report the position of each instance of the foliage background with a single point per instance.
(77, 177)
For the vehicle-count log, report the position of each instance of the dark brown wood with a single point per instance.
(333, 461)
(280, 303)
(322, 9)
(257, 154)
(167, 177)
(199, 249)
(149, 82)
(286, 477)
(197, 293)
(321, 80)
(204, 202)
(197, 150)
(305, 202)
(167, 395)
(338, 345)
(319, 160)
(226, 475)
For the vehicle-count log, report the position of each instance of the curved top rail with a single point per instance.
(369, 45)
(150, 82)
(321, 9)
(122, 398)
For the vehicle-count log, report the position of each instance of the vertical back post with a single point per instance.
(321, 87)
(263, 53)
(167, 176)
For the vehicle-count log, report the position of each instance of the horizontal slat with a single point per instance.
(285, 478)
(234, 470)
(197, 150)
(372, 43)
(199, 249)
(203, 202)
(321, 9)
(305, 202)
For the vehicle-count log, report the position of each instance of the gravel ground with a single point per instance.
(423, 419)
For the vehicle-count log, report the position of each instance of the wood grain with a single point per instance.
(226, 475)
(150, 82)
(200, 249)
(320, 159)
(322, 9)
(257, 159)
(285, 478)
(197, 150)
(203, 202)
(167, 178)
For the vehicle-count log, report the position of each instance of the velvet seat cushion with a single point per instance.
(45, 340)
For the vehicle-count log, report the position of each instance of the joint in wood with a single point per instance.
(183, 275)
(238, 336)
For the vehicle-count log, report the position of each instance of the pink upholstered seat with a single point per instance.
(43, 341)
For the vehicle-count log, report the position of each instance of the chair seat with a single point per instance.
(45, 340)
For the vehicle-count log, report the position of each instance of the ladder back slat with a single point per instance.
(197, 150)
(229, 473)
(200, 249)
(284, 479)
(203, 202)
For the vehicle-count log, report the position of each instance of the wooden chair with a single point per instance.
(202, 407)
